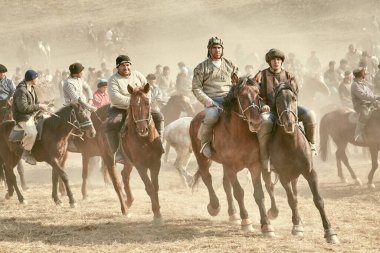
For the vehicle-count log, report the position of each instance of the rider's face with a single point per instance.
(216, 52)
(2, 76)
(276, 63)
(124, 69)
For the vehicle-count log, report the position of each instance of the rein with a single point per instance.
(279, 121)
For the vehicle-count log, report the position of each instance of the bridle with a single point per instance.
(242, 111)
(279, 121)
(73, 121)
(142, 120)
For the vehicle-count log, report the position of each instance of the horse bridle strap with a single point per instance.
(279, 122)
(241, 115)
(142, 120)
(78, 125)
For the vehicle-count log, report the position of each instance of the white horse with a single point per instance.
(176, 135)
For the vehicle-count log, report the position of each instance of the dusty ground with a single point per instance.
(167, 32)
(97, 225)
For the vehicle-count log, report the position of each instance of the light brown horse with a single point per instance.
(337, 125)
(141, 146)
(290, 156)
(175, 106)
(236, 147)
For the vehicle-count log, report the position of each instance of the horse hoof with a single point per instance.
(371, 186)
(297, 230)
(7, 196)
(212, 211)
(234, 219)
(246, 226)
(272, 213)
(158, 221)
(268, 231)
(73, 205)
(344, 180)
(332, 239)
(358, 182)
(24, 202)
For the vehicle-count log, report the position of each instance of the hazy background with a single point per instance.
(170, 31)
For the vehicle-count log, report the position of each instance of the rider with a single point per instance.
(155, 92)
(275, 58)
(362, 98)
(7, 88)
(119, 96)
(25, 104)
(211, 83)
(74, 87)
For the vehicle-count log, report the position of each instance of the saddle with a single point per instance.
(17, 133)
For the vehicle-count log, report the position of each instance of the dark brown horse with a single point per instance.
(89, 147)
(175, 106)
(141, 145)
(290, 156)
(52, 148)
(6, 114)
(236, 147)
(338, 125)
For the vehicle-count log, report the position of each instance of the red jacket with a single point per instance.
(100, 99)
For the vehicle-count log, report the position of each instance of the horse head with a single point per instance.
(80, 117)
(286, 104)
(139, 109)
(244, 97)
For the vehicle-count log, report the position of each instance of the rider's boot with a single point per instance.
(113, 143)
(160, 129)
(206, 136)
(310, 130)
(359, 132)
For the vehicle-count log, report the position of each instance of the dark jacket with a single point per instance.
(25, 103)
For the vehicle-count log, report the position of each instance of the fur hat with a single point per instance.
(76, 68)
(30, 75)
(122, 59)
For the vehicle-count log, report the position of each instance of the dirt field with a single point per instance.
(167, 32)
(97, 225)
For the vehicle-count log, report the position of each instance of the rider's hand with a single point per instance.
(265, 108)
(43, 107)
(209, 103)
(90, 101)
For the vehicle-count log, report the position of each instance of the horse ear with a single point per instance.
(234, 78)
(258, 77)
(146, 88)
(130, 89)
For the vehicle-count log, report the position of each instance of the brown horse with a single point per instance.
(6, 114)
(236, 147)
(89, 147)
(175, 106)
(337, 125)
(52, 148)
(141, 145)
(290, 156)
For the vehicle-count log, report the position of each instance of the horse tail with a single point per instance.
(324, 137)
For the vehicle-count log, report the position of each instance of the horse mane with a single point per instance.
(235, 90)
(54, 122)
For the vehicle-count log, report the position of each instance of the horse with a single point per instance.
(341, 129)
(6, 114)
(175, 106)
(141, 146)
(89, 147)
(176, 135)
(313, 85)
(290, 156)
(236, 147)
(51, 148)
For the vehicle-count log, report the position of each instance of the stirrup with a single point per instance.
(313, 148)
(206, 150)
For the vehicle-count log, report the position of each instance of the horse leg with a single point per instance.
(85, 160)
(344, 159)
(103, 168)
(126, 173)
(11, 190)
(12, 185)
(273, 210)
(293, 204)
(233, 218)
(54, 194)
(339, 166)
(258, 194)
(151, 188)
(312, 180)
(20, 170)
(58, 167)
(374, 156)
(167, 149)
(180, 165)
(2, 174)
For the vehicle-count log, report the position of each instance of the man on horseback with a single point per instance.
(362, 98)
(211, 83)
(119, 96)
(25, 105)
(7, 88)
(267, 77)
(74, 86)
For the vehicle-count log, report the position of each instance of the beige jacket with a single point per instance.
(118, 88)
(210, 81)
